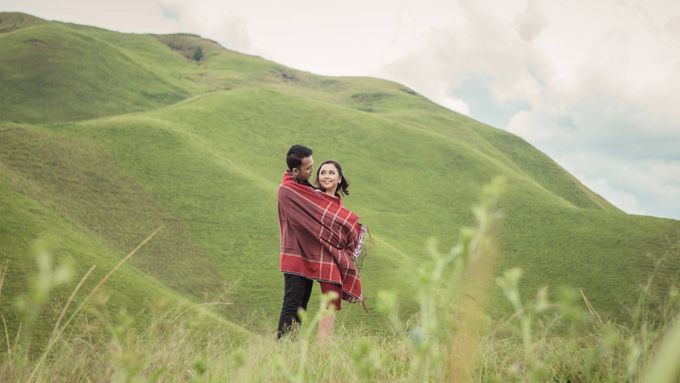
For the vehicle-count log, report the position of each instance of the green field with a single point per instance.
(105, 136)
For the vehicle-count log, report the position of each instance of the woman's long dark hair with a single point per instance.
(343, 186)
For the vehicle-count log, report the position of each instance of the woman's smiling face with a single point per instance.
(329, 177)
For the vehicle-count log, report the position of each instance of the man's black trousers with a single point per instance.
(296, 293)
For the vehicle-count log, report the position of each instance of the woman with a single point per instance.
(331, 180)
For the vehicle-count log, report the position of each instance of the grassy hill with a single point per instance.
(106, 136)
(55, 73)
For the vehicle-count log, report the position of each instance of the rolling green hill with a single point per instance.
(106, 136)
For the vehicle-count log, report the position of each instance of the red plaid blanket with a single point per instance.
(320, 239)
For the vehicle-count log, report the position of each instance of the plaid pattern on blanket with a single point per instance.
(320, 239)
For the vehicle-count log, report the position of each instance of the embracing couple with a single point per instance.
(320, 239)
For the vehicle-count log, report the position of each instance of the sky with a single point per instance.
(593, 84)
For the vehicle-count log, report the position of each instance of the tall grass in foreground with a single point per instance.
(450, 338)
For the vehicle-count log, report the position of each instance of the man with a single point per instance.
(297, 288)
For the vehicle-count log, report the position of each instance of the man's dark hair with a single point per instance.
(295, 155)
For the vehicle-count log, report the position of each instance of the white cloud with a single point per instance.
(575, 78)
(623, 180)
(457, 105)
(622, 199)
(531, 22)
(223, 25)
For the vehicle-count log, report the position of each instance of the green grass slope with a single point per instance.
(10, 21)
(81, 183)
(51, 72)
(28, 227)
(204, 160)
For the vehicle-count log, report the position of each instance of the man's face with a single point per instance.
(304, 171)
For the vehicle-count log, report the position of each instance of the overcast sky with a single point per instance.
(594, 84)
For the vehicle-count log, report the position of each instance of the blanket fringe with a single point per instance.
(360, 244)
